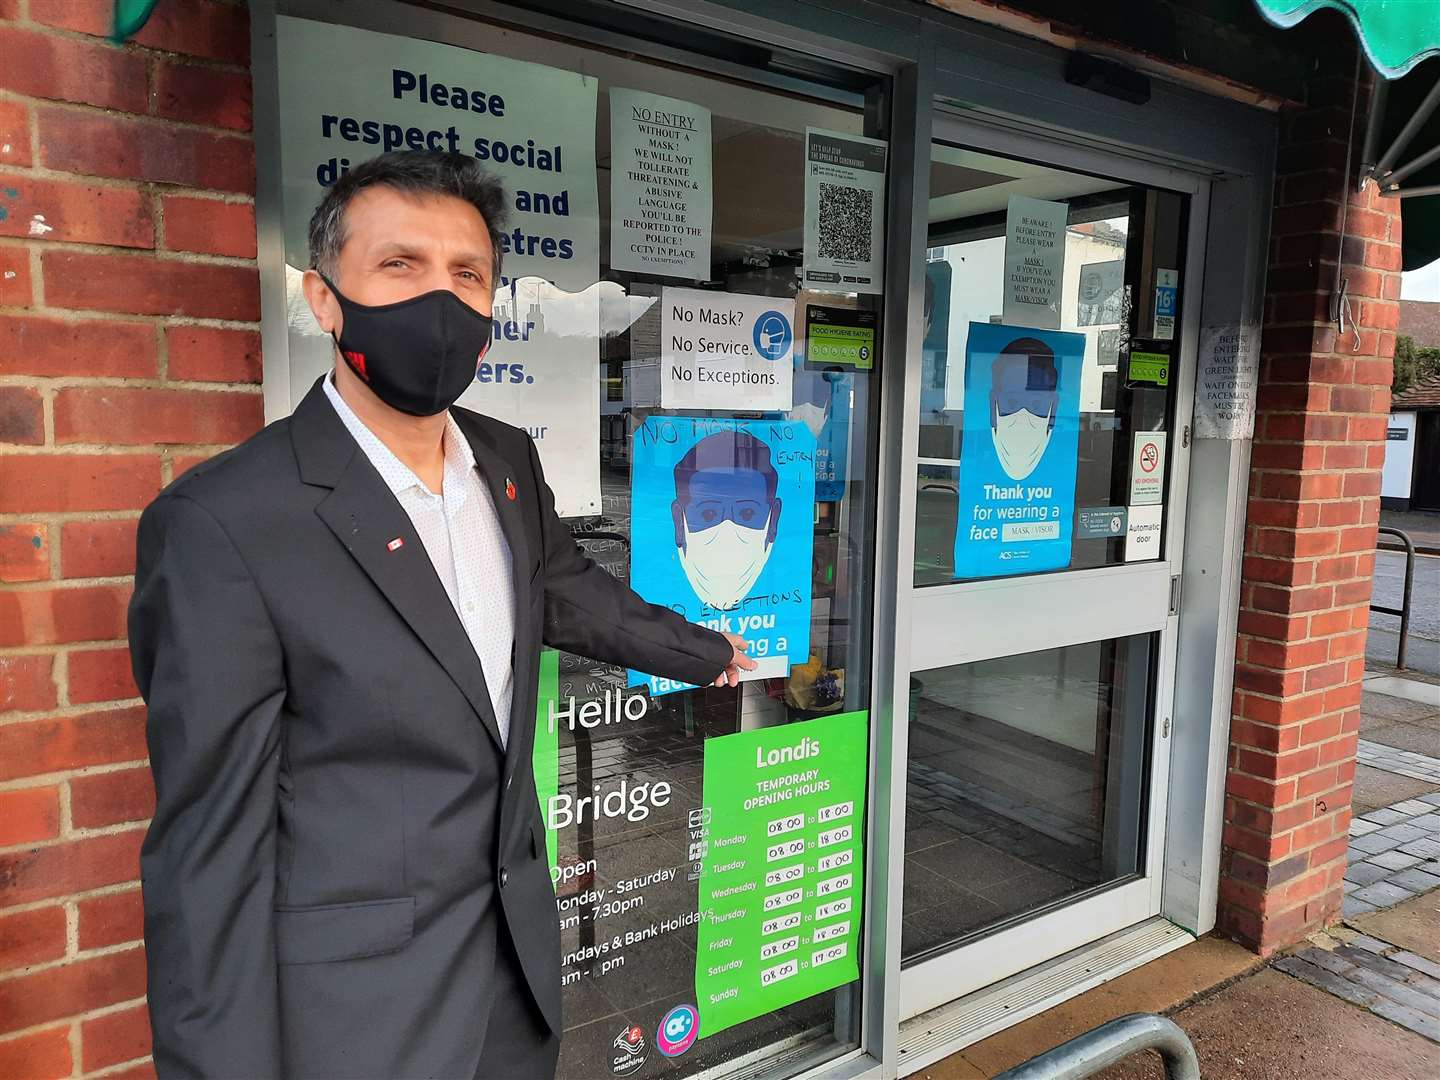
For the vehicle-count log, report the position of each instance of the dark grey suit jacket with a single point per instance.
(339, 834)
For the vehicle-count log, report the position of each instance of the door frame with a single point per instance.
(1088, 611)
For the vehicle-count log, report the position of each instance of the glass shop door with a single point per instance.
(1049, 462)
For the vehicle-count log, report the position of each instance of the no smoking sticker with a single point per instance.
(1147, 469)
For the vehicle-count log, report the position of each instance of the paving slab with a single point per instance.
(1383, 894)
(1379, 708)
(1271, 1026)
(1413, 925)
(1398, 686)
(1361, 874)
(1414, 737)
(1392, 861)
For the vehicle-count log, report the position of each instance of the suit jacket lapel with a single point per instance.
(365, 517)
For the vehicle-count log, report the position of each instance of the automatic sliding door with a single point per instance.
(1041, 613)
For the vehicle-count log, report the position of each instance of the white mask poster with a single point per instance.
(661, 195)
(844, 212)
(1017, 487)
(729, 351)
(722, 521)
(1034, 262)
(532, 128)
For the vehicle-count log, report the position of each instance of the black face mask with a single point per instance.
(417, 355)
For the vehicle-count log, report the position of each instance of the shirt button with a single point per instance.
(469, 607)
(504, 876)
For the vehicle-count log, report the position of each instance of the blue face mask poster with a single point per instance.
(1018, 458)
(722, 526)
(822, 404)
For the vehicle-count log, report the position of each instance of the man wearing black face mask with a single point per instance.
(336, 627)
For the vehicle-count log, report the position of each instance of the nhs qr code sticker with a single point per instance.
(844, 212)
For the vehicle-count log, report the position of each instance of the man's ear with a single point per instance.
(677, 516)
(774, 521)
(322, 303)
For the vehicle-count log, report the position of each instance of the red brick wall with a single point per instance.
(1310, 533)
(128, 349)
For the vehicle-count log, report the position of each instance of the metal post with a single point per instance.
(1404, 609)
(1085, 1055)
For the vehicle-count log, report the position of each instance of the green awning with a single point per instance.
(1402, 132)
(1396, 34)
(130, 16)
(1402, 154)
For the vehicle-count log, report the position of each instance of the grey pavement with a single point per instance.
(1395, 848)
(1423, 653)
(1394, 858)
(1422, 525)
(1394, 854)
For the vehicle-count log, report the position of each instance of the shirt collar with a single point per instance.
(398, 477)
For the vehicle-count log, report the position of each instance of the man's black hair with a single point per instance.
(732, 450)
(416, 173)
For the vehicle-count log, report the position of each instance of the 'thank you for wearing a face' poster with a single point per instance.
(722, 529)
(1017, 464)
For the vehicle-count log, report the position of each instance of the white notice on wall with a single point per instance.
(1034, 262)
(1225, 382)
(1147, 468)
(661, 195)
(1142, 533)
(844, 212)
(726, 351)
(1101, 291)
(531, 127)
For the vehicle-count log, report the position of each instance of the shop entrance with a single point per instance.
(1050, 458)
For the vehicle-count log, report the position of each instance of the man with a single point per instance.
(725, 515)
(336, 627)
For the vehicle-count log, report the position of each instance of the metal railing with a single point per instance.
(1404, 609)
(1085, 1055)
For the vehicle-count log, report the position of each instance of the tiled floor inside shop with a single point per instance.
(980, 845)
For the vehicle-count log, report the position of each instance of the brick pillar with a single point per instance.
(1310, 532)
(129, 299)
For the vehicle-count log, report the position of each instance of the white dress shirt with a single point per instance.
(461, 533)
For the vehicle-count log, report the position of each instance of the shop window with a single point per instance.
(688, 324)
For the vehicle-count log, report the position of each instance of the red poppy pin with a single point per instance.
(510, 489)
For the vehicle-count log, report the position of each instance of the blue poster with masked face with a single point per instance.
(1017, 461)
(722, 525)
(822, 404)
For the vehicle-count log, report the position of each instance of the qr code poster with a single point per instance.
(844, 212)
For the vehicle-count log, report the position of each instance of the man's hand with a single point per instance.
(739, 662)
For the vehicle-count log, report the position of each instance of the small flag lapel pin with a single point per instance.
(510, 489)
(396, 544)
